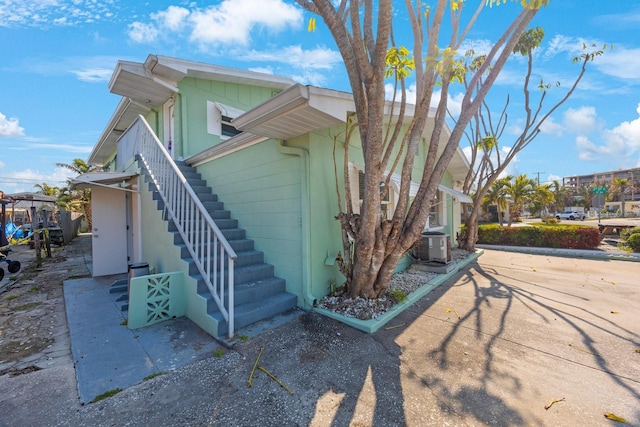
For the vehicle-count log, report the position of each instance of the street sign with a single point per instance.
(599, 190)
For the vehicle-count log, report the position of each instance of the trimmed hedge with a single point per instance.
(631, 238)
(559, 236)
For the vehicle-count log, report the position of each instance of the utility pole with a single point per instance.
(538, 173)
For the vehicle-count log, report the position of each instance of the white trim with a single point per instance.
(102, 179)
(460, 196)
(215, 111)
(231, 145)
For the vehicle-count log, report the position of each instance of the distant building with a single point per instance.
(605, 179)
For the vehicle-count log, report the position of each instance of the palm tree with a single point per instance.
(617, 190)
(497, 195)
(47, 189)
(541, 198)
(79, 199)
(560, 195)
(519, 190)
(585, 192)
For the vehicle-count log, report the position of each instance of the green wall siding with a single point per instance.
(191, 110)
(262, 189)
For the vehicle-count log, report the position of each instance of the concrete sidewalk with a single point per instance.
(492, 346)
(108, 355)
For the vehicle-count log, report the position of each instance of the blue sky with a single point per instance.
(58, 55)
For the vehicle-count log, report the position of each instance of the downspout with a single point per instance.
(309, 299)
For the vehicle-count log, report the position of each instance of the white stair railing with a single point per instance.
(208, 247)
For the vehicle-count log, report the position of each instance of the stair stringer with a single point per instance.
(254, 301)
(170, 260)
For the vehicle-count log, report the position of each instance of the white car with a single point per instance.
(570, 215)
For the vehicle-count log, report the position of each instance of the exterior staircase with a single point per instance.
(259, 294)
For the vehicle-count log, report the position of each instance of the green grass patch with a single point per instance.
(125, 322)
(25, 307)
(106, 395)
(78, 276)
(218, 353)
(152, 376)
(398, 294)
(12, 297)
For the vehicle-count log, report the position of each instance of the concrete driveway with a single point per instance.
(493, 346)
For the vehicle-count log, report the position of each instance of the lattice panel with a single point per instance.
(158, 298)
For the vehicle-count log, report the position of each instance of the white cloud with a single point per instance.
(10, 127)
(172, 19)
(93, 75)
(25, 180)
(47, 13)
(581, 121)
(39, 143)
(92, 69)
(478, 46)
(263, 70)
(231, 22)
(512, 167)
(320, 58)
(550, 127)
(143, 33)
(553, 177)
(620, 62)
(620, 144)
(454, 103)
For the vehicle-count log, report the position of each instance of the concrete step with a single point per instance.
(258, 294)
(250, 313)
(243, 274)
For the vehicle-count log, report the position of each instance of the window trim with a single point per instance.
(220, 120)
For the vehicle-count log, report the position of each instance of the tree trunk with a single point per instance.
(471, 230)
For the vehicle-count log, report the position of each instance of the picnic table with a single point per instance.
(612, 228)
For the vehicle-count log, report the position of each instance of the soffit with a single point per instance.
(296, 111)
(131, 80)
(126, 112)
(86, 180)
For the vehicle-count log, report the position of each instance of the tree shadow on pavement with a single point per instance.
(491, 319)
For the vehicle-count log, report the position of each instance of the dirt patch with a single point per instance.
(33, 312)
(609, 243)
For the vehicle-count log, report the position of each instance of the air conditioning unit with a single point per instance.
(433, 247)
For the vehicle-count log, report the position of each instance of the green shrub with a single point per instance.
(624, 234)
(634, 242)
(547, 235)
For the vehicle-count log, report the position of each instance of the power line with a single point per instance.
(538, 173)
(11, 180)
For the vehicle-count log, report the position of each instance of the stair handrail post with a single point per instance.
(187, 212)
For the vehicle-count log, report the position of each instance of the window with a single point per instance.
(435, 214)
(219, 118)
(385, 203)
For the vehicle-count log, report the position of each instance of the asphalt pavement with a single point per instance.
(514, 339)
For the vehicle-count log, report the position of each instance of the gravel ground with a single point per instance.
(401, 285)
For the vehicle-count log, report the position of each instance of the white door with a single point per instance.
(109, 247)
(169, 127)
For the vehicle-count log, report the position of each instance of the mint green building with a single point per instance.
(222, 182)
